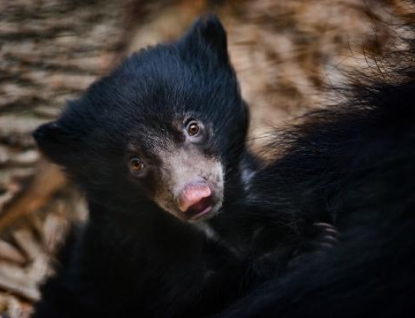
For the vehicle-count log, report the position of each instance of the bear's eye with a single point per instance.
(136, 164)
(192, 128)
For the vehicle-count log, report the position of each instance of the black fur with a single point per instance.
(351, 166)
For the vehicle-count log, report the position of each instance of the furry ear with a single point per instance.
(56, 143)
(208, 33)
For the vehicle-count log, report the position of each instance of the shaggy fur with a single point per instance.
(351, 166)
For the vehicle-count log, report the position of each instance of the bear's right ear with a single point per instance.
(207, 33)
(56, 143)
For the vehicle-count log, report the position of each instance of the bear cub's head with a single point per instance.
(167, 126)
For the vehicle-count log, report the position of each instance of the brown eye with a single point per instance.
(136, 164)
(193, 128)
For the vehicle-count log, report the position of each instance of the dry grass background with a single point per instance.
(286, 54)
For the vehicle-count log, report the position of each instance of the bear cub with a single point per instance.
(158, 148)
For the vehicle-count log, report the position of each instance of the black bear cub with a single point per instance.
(158, 147)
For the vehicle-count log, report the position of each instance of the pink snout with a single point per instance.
(195, 200)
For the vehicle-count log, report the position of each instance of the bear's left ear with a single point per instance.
(207, 33)
(57, 144)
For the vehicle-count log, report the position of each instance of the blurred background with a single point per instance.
(287, 55)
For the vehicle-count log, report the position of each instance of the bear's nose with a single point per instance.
(195, 197)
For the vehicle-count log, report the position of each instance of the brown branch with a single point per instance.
(47, 181)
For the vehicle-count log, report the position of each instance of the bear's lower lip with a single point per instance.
(200, 214)
(203, 207)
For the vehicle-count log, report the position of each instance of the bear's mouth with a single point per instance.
(200, 209)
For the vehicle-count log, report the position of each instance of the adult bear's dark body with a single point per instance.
(352, 165)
